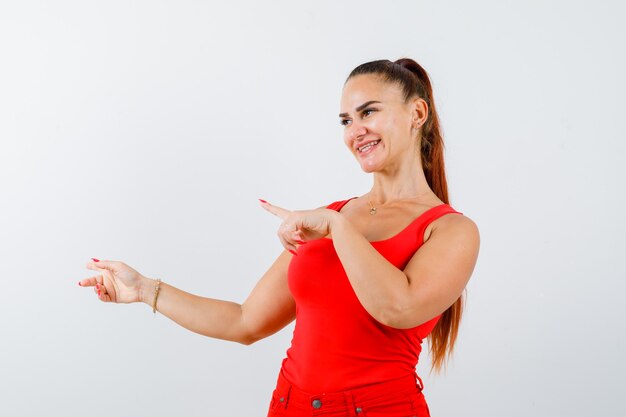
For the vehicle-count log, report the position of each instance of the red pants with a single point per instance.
(400, 397)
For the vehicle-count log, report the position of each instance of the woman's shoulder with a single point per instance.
(336, 205)
(457, 224)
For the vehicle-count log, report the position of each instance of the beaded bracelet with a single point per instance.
(156, 294)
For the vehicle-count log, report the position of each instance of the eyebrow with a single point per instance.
(361, 107)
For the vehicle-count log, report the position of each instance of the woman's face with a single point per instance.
(373, 112)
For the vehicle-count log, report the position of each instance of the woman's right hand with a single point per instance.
(119, 283)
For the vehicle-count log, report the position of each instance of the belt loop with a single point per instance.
(287, 396)
(351, 405)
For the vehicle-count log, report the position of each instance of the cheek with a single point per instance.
(347, 141)
(398, 127)
(386, 125)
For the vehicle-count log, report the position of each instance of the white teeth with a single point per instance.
(369, 145)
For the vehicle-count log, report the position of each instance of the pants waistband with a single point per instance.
(384, 393)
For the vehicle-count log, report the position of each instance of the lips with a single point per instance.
(367, 146)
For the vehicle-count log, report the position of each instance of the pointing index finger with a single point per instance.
(275, 210)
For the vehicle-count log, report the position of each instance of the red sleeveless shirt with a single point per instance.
(337, 345)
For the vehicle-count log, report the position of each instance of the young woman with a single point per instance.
(371, 276)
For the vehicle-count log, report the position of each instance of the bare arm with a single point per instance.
(268, 308)
(429, 284)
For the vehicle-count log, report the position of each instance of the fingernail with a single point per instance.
(96, 260)
(98, 293)
(262, 201)
(293, 252)
(302, 242)
(80, 283)
(97, 286)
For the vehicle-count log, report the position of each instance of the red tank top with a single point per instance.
(337, 345)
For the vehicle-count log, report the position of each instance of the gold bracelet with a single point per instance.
(156, 294)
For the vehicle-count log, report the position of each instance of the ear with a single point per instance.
(419, 112)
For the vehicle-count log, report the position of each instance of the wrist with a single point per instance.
(337, 221)
(146, 290)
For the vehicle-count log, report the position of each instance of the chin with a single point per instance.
(368, 169)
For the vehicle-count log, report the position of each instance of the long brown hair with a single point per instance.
(415, 82)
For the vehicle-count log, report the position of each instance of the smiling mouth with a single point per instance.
(368, 147)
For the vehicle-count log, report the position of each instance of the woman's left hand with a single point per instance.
(300, 226)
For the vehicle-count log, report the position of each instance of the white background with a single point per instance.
(145, 131)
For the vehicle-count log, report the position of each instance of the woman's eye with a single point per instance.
(366, 112)
(343, 122)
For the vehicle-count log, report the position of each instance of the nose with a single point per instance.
(357, 132)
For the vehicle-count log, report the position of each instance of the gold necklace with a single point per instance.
(373, 209)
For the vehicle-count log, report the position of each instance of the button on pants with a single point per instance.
(400, 397)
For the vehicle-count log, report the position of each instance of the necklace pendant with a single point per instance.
(373, 210)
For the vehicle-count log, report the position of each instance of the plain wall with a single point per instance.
(146, 131)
